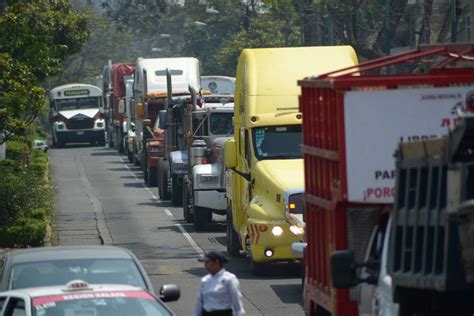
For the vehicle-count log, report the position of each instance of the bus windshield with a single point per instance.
(77, 103)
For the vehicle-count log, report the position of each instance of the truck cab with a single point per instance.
(150, 97)
(204, 185)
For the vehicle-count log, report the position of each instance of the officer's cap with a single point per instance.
(214, 256)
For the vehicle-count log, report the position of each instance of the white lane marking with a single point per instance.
(167, 211)
(190, 239)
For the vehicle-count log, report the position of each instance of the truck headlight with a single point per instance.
(208, 178)
(296, 230)
(277, 231)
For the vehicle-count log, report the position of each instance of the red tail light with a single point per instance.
(204, 161)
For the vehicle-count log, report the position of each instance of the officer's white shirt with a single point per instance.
(218, 292)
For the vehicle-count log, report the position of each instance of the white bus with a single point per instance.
(77, 114)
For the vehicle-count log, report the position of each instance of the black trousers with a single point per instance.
(223, 312)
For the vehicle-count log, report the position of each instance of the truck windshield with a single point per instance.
(77, 103)
(221, 123)
(277, 142)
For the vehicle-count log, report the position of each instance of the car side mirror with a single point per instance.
(343, 269)
(162, 116)
(169, 293)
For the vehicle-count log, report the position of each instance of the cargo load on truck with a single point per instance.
(265, 183)
(114, 80)
(354, 120)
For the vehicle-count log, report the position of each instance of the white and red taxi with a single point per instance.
(80, 298)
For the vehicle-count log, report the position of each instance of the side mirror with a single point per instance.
(146, 122)
(169, 293)
(162, 117)
(343, 269)
(121, 106)
(230, 153)
(139, 110)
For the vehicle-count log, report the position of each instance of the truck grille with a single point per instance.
(80, 122)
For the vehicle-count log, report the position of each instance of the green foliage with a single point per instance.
(24, 232)
(26, 198)
(35, 38)
(263, 32)
(41, 34)
(139, 16)
(20, 98)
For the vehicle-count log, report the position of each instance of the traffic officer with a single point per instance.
(219, 293)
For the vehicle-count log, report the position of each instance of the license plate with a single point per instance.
(80, 133)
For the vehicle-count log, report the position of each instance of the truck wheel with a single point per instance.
(233, 243)
(202, 217)
(110, 140)
(163, 181)
(101, 141)
(176, 191)
(187, 203)
(130, 156)
(258, 268)
(120, 142)
(152, 176)
(136, 162)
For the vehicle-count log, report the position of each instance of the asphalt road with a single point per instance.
(101, 199)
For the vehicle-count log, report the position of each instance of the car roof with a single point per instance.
(59, 290)
(67, 252)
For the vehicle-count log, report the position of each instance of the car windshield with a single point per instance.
(99, 303)
(221, 123)
(277, 142)
(59, 272)
(77, 103)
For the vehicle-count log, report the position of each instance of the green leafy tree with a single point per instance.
(263, 32)
(35, 38)
(20, 99)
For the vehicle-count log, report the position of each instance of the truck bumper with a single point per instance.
(80, 136)
(153, 161)
(212, 199)
(297, 249)
(262, 239)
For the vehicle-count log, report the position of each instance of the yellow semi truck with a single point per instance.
(265, 173)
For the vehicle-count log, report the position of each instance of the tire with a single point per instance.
(130, 156)
(163, 181)
(136, 162)
(101, 140)
(233, 243)
(187, 202)
(121, 148)
(152, 174)
(258, 268)
(176, 191)
(202, 217)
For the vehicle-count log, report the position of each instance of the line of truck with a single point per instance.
(297, 152)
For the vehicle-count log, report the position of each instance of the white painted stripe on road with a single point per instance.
(190, 239)
(167, 211)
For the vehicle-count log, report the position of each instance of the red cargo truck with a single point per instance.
(354, 119)
(114, 78)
